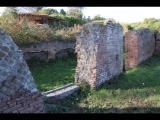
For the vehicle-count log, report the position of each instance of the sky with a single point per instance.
(119, 14)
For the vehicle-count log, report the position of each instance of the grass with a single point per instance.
(54, 74)
(136, 91)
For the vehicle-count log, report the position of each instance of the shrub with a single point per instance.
(25, 33)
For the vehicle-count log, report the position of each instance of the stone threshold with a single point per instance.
(62, 92)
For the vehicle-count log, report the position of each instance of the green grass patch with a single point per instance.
(53, 74)
(136, 91)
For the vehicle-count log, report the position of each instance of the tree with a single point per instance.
(76, 13)
(76, 8)
(11, 11)
(98, 17)
(89, 18)
(62, 12)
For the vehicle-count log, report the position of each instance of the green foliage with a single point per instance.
(25, 33)
(10, 11)
(62, 12)
(69, 19)
(48, 11)
(98, 17)
(151, 23)
(75, 13)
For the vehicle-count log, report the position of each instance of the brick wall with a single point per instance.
(139, 45)
(18, 91)
(99, 50)
(24, 102)
(157, 44)
(48, 50)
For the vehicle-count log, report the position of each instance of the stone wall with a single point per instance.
(17, 85)
(157, 44)
(139, 45)
(47, 50)
(99, 51)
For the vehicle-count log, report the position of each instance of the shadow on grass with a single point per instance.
(138, 89)
(146, 75)
(69, 106)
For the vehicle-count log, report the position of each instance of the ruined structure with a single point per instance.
(18, 92)
(99, 50)
(48, 50)
(157, 44)
(139, 45)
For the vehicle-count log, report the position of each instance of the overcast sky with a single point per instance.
(120, 14)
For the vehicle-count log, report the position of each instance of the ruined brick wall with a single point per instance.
(139, 45)
(24, 102)
(99, 53)
(157, 44)
(15, 78)
(47, 50)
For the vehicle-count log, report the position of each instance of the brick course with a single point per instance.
(139, 45)
(99, 53)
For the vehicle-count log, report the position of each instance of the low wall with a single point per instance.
(48, 50)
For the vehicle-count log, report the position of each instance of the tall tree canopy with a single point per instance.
(75, 11)
(62, 12)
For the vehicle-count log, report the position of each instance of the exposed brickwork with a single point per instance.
(99, 53)
(25, 102)
(157, 44)
(48, 50)
(139, 45)
(18, 92)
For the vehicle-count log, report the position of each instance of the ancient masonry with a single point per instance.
(139, 45)
(18, 92)
(157, 45)
(99, 49)
(48, 50)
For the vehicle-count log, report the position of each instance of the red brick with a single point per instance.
(23, 108)
(30, 109)
(4, 108)
(33, 93)
(28, 95)
(6, 98)
(23, 100)
(28, 102)
(34, 103)
(12, 108)
(11, 101)
(41, 97)
(15, 111)
(16, 96)
(12, 104)
(36, 109)
(3, 104)
(24, 111)
(36, 95)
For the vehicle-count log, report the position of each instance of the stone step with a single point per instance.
(62, 92)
